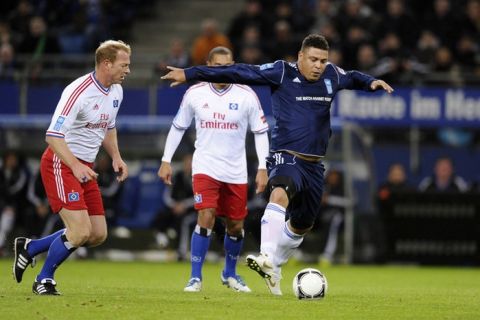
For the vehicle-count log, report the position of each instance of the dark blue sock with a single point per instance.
(199, 248)
(41, 245)
(59, 250)
(233, 245)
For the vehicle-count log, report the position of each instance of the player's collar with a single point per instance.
(98, 84)
(222, 91)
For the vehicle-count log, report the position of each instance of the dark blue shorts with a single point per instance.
(308, 179)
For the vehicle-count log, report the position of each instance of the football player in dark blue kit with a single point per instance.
(301, 94)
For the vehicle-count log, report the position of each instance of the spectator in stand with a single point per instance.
(333, 207)
(299, 21)
(303, 12)
(177, 57)
(251, 54)
(251, 37)
(355, 13)
(73, 39)
(209, 39)
(325, 13)
(283, 12)
(5, 35)
(441, 21)
(444, 178)
(444, 70)
(331, 34)
(335, 56)
(7, 62)
(367, 59)
(396, 182)
(399, 21)
(97, 16)
(396, 63)
(14, 177)
(19, 19)
(467, 52)
(179, 216)
(283, 45)
(443, 60)
(355, 37)
(255, 205)
(38, 42)
(39, 220)
(110, 187)
(252, 15)
(470, 22)
(427, 45)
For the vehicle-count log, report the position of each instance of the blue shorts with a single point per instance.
(308, 179)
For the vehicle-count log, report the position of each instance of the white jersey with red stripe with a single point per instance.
(221, 121)
(85, 112)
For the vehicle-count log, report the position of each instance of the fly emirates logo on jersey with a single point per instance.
(102, 124)
(218, 122)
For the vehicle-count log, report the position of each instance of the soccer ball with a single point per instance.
(310, 284)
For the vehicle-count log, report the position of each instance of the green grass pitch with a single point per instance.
(146, 290)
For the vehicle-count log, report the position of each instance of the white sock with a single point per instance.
(287, 244)
(271, 224)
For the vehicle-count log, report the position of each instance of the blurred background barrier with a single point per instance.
(430, 229)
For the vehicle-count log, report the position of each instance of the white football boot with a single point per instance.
(264, 267)
(193, 285)
(236, 283)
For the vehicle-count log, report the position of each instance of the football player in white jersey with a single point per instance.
(84, 119)
(222, 113)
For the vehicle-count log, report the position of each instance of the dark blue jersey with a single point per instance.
(301, 108)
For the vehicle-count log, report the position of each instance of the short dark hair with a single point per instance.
(219, 50)
(315, 41)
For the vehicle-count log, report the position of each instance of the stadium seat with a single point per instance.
(142, 198)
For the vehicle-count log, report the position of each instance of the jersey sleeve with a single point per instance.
(270, 74)
(353, 79)
(65, 113)
(256, 117)
(185, 114)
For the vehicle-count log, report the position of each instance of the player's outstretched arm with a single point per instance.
(380, 84)
(177, 75)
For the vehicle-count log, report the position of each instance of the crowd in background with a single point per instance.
(44, 27)
(400, 41)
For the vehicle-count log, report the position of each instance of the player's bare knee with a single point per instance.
(96, 239)
(279, 196)
(281, 190)
(235, 228)
(206, 218)
(78, 237)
